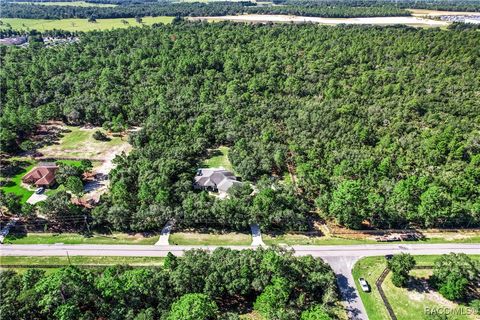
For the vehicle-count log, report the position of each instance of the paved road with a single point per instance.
(341, 258)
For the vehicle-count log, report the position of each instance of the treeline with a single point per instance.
(448, 5)
(220, 285)
(378, 126)
(327, 11)
(130, 10)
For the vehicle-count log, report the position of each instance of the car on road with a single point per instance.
(364, 285)
(39, 190)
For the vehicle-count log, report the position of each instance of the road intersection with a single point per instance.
(341, 258)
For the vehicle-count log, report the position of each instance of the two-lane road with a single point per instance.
(340, 258)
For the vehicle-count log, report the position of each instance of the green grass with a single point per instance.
(299, 239)
(80, 260)
(16, 181)
(219, 159)
(74, 238)
(50, 192)
(69, 4)
(77, 24)
(187, 238)
(406, 304)
(73, 163)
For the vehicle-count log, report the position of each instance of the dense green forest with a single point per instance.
(129, 10)
(199, 285)
(326, 8)
(449, 5)
(379, 125)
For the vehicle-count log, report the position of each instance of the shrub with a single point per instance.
(100, 136)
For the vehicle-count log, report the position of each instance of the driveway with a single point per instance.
(342, 266)
(34, 198)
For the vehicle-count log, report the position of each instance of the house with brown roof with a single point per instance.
(42, 175)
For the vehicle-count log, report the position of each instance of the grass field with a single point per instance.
(73, 163)
(299, 239)
(16, 181)
(219, 158)
(75, 238)
(70, 4)
(78, 24)
(406, 302)
(79, 143)
(187, 238)
(79, 260)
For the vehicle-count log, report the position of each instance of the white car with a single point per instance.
(364, 285)
(40, 190)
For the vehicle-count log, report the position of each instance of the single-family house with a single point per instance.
(42, 175)
(215, 179)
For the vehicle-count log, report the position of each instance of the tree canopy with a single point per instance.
(373, 126)
(198, 285)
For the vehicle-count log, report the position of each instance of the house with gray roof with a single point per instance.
(215, 179)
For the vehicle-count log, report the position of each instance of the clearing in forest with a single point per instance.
(78, 24)
(77, 142)
(218, 158)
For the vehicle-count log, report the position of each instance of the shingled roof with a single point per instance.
(42, 175)
(217, 179)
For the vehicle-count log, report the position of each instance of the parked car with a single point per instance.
(364, 285)
(40, 190)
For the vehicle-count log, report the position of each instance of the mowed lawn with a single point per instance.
(78, 24)
(75, 238)
(80, 260)
(70, 4)
(300, 239)
(218, 158)
(15, 186)
(79, 143)
(407, 303)
(193, 238)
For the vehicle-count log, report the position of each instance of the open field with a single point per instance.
(406, 303)
(300, 239)
(382, 21)
(15, 182)
(75, 238)
(79, 143)
(78, 24)
(72, 4)
(79, 260)
(192, 238)
(426, 12)
(219, 158)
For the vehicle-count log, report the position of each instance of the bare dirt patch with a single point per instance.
(263, 18)
(68, 142)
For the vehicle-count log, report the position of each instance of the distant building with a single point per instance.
(215, 179)
(42, 175)
(15, 41)
(474, 20)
